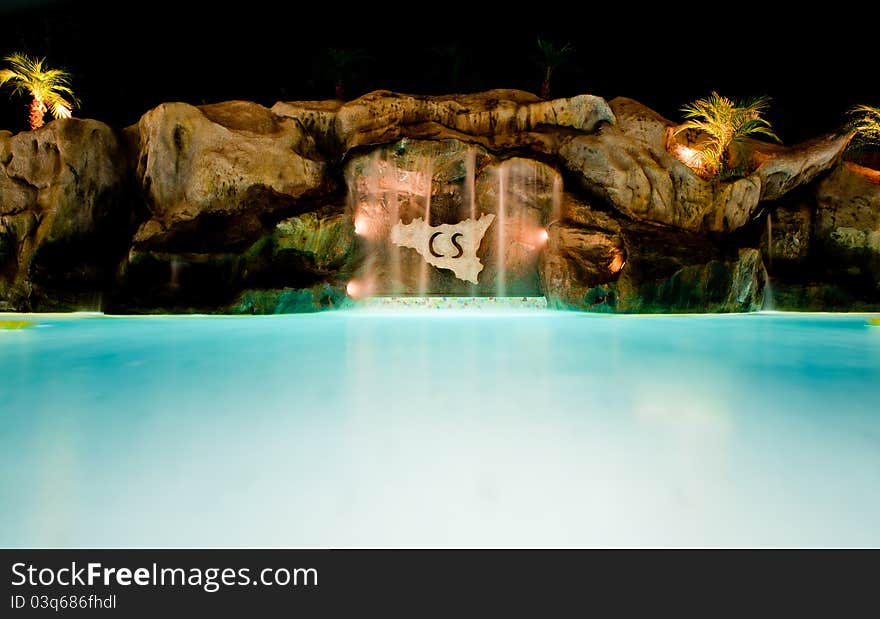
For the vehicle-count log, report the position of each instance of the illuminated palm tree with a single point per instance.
(724, 123)
(47, 87)
(551, 58)
(866, 124)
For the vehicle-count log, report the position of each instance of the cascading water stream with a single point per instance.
(556, 204)
(394, 209)
(470, 191)
(424, 273)
(501, 222)
(769, 302)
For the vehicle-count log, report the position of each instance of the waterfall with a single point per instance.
(501, 276)
(470, 191)
(769, 302)
(556, 206)
(424, 267)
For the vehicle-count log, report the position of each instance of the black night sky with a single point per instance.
(127, 57)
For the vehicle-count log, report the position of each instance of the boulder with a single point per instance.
(824, 249)
(291, 300)
(788, 231)
(748, 283)
(782, 169)
(494, 119)
(298, 252)
(585, 254)
(848, 218)
(721, 284)
(596, 262)
(216, 177)
(641, 123)
(325, 239)
(317, 119)
(64, 212)
(648, 184)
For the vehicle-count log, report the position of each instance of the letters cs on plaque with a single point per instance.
(447, 246)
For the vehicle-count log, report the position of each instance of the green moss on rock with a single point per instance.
(291, 300)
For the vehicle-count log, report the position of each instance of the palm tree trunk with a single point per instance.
(37, 111)
(545, 86)
(340, 90)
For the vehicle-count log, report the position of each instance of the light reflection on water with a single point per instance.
(449, 429)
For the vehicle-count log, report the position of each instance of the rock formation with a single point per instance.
(238, 207)
(848, 217)
(65, 214)
(212, 176)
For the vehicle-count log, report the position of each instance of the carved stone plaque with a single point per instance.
(447, 246)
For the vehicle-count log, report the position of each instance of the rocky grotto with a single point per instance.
(235, 207)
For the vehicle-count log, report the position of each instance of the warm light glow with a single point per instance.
(690, 157)
(404, 181)
(354, 289)
(49, 89)
(531, 238)
(62, 111)
(361, 224)
(361, 287)
(617, 261)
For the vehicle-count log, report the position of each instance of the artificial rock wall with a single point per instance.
(237, 207)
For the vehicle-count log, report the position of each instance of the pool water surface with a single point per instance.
(440, 429)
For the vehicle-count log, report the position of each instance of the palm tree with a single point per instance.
(47, 87)
(865, 127)
(724, 123)
(551, 58)
(866, 124)
(455, 59)
(343, 62)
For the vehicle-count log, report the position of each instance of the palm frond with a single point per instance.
(26, 74)
(758, 104)
(345, 58)
(59, 107)
(723, 122)
(754, 126)
(553, 55)
(865, 124)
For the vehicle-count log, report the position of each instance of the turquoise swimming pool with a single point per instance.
(446, 428)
